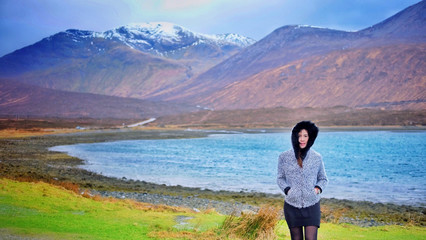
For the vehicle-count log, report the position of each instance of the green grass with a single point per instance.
(46, 211)
(40, 209)
(332, 231)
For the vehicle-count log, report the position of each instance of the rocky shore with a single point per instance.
(237, 208)
(29, 159)
(192, 202)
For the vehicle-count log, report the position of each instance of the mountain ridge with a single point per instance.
(330, 80)
(163, 38)
(378, 67)
(82, 61)
(408, 24)
(295, 45)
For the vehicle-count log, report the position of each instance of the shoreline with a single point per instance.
(29, 158)
(376, 195)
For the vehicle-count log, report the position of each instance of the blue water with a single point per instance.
(377, 166)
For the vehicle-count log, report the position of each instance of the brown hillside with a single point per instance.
(120, 71)
(391, 77)
(81, 61)
(297, 66)
(26, 101)
(287, 117)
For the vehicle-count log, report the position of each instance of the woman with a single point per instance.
(301, 176)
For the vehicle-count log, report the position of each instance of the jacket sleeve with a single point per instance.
(322, 179)
(281, 178)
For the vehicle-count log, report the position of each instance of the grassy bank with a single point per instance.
(44, 211)
(52, 212)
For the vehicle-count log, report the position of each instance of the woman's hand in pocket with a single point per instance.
(317, 191)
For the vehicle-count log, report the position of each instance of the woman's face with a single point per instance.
(303, 138)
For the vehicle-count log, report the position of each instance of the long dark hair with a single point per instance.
(312, 130)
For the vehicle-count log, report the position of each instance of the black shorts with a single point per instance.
(298, 217)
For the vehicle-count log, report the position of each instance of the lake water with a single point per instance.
(377, 166)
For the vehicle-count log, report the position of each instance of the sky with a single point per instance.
(25, 22)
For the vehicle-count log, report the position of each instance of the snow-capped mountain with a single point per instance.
(165, 39)
(294, 66)
(137, 60)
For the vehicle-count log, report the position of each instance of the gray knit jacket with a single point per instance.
(301, 181)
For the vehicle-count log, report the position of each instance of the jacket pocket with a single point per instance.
(314, 197)
(309, 195)
(292, 195)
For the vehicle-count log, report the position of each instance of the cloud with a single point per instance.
(176, 5)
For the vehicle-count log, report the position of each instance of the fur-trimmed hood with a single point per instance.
(312, 130)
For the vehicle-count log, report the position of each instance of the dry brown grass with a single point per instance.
(64, 184)
(209, 235)
(21, 133)
(332, 214)
(253, 226)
